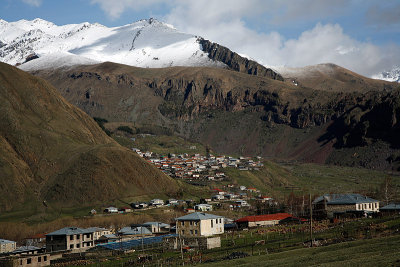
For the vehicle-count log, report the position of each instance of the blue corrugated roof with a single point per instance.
(198, 216)
(392, 206)
(127, 245)
(343, 199)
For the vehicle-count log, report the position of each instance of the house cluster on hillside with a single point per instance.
(198, 167)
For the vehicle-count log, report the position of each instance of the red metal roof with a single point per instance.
(37, 236)
(266, 217)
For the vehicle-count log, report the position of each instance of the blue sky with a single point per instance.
(363, 35)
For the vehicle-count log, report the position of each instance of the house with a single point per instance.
(241, 203)
(132, 231)
(331, 205)
(26, 256)
(264, 199)
(217, 197)
(156, 202)
(125, 209)
(111, 210)
(203, 207)
(107, 239)
(98, 232)
(262, 220)
(219, 191)
(38, 240)
(156, 227)
(7, 245)
(173, 201)
(391, 209)
(199, 224)
(253, 190)
(70, 238)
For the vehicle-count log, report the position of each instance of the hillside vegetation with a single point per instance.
(52, 153)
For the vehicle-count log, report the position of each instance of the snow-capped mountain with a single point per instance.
(146, 43)
(390, 76)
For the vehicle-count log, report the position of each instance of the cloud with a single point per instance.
(115, 8)
(256, 28)
(35, 3)
(384, 16)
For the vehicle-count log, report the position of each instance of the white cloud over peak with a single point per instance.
(226, 22)
(114, 8)
(35, 3)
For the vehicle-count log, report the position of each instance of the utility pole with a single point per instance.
(311, 226)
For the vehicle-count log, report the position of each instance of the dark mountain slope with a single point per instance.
(52, 151)
(230, 111)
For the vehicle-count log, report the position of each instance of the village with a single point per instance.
(198, 167)
(263, 223)
(198, 228)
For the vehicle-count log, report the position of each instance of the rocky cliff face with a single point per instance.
(371, 116)
(235, 62)
(234, 112)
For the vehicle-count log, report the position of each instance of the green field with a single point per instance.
(371, 252)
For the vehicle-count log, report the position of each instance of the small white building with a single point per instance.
(203, 207)
(157, 202)
(111, 210)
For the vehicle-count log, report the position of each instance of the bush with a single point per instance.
(125, 129)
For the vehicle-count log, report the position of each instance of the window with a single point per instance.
(183, 232)
(191, 222)
(39, 259)
(29, 261)
(191, 232)
(212, 223)
(45, 258)
(195, 231)
(71, 237)
(78, 236)
(71, 246)
(78, 245)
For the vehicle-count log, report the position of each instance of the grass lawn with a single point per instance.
(370, 252)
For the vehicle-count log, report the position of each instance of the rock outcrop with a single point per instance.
(236, 62)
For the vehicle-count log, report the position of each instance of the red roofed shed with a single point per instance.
(262, 220)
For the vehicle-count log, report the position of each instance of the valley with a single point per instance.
(142, 144)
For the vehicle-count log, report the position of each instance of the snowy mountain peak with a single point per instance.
(390, 76)
(145, 43)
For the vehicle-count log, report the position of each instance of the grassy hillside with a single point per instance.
(280, 179)
(53, 154)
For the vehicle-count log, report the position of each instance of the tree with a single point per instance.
(387, 190)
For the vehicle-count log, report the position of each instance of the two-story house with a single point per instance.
(200, 224)
(330, 205)
(70, 238)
